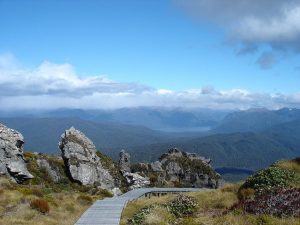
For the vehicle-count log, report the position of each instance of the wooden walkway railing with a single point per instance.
(109, 210)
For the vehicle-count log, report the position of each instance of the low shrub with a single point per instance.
(182, 205)
(40, 205)
(139, 217)
(153, 179)
(272, 177)
(280, 202)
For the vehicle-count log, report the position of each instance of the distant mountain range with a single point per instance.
(43, 134)
(240, 150)
(249, 139)
(164, 119)
(255, 120)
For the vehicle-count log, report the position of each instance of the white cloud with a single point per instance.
(58, 85)
(251, 24)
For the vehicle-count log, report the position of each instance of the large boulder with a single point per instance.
(12, 162)
(81, 161)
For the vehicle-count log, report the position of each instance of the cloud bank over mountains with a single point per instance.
(270, 25)
(52, 86)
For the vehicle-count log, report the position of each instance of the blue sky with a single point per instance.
(158, 44)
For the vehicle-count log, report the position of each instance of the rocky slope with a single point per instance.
(80, 163)
(180, 169)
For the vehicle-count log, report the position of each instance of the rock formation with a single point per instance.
(124, 162)
(81, 160)
(11, 155)
(182, 169)
(134, 180)
(53, 172)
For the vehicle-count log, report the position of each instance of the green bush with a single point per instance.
(270, 178)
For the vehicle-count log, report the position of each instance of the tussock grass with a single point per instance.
(159, 216)
(15, 205)
(134, 206)
(217, 199)
(231, 219)
(293, 165)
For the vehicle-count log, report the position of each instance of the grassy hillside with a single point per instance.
(276, 204)
(41, 201)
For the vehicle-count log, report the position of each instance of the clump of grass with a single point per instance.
(85, 199)
(246, 193)
(160, 216)
(105, 193)
(50, 199)
(40, 205)
(215, 199)
(70, 207)
(292, 165)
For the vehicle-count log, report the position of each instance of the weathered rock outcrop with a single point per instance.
(81, 160)
(52, 171)
(124, 162)
(182, 169)
(12, 162)
(134, 180)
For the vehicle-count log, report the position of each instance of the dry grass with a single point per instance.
(293, 165)
(159, 216)
(231, 219)
(215, 199)
(213, 210)
(15, 207)
(134, 206)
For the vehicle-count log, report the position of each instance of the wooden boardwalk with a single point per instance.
(108, 211)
